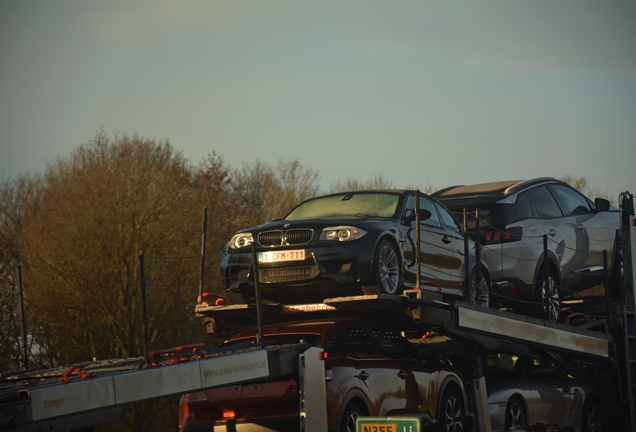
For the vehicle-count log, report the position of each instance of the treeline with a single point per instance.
(77, 231)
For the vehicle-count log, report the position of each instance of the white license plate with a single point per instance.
(280, 256)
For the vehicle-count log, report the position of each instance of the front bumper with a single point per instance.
(329, 265)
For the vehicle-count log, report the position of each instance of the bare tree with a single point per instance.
(97, 211)
(260, 192)
(582, 184)
(378, 181)
(17, 199)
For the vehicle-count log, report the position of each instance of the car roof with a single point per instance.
(485, 192)
(366, 191)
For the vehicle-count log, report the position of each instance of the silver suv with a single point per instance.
(514, 219)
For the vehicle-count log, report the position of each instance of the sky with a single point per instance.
(422, 92)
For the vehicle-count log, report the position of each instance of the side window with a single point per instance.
(522, 208)
(392, 344)
(572, 202)
(448, 221)
(544, 203)
(425, 204)
(354, 343)
(542, 367)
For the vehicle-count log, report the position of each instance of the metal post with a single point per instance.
(417, 240)
(24, 361)
(257, 294)
(477, 255)
(482, 415)
(546, 276)
(144, 311)
(466, 254)
(203, 241)
(606, 282)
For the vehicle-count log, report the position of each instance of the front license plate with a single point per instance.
(280, 256)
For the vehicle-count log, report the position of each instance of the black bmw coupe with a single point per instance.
(353, 243)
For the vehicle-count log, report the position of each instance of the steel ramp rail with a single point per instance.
(54, 399)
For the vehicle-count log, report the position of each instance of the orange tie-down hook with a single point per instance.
(67, 375)
(176, 355)
(213, 297)
(430, 283)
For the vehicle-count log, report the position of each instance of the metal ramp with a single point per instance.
(94, 393)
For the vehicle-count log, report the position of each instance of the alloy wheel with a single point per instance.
(479, 294)
(453, 414)
(388, 269)
(551, 300)
(515, 416)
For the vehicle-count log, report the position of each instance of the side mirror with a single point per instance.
(409, 215)
(602, 204)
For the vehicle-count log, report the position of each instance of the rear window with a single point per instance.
(490, 216)
(522, 209)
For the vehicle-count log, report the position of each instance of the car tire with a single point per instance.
(516, 418)
(479, 295)
(547, 301)
(451, 414)
(352, 412)
(591, 420)
(233, 297)
(386, 270)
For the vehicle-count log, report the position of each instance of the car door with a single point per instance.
(454, 232)
(437, 262)
(559, 234)
(588, 238)
(377, 377)
(552, 390)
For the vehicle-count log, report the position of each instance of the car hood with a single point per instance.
(281, 224)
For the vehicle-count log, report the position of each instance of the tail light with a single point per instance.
(508, 235)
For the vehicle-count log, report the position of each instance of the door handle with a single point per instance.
(552, 232)
(402, 374)
(363, 375)
(446, 240)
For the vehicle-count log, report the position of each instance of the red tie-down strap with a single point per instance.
(78, 367)
(576, 319)
(177, 354)
(210, 297)
(549, 427)
(433, 284)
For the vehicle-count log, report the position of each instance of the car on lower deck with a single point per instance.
(370, 370)
(352, 243)
(530, 389)
(514, 219)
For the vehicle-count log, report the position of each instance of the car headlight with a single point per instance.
(241, 240)
(342, 233)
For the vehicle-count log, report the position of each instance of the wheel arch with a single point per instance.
(451, 381)
(387, 235)
(355, 396)
(524, 405)
(553, 266)
(486, 271)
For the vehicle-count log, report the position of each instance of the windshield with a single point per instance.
(350, 204)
